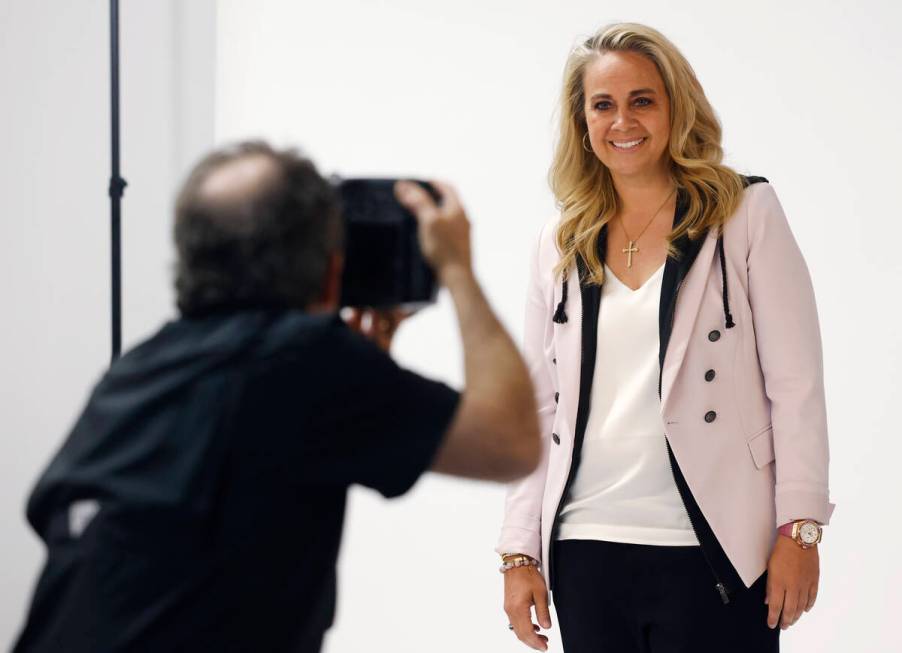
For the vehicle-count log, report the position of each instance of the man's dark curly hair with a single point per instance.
(263, 244)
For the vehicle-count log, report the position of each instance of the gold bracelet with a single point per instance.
(518, 561)
(509, 557)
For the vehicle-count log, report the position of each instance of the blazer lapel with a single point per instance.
(688, 299)
(590, 296)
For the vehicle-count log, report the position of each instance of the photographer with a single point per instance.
(197, 505)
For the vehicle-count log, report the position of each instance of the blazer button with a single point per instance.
(554, 360)
(556, 396)
(710, 416)
(556, 438)
(714, 336)
(709, 375)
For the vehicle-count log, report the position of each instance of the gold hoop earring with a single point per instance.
(587, 146)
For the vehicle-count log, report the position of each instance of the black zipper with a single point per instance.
(719, 585)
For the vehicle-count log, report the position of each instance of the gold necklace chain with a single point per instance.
(630, 249)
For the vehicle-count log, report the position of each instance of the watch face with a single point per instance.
(808, 533)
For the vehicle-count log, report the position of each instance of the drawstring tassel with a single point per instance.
(560, 316)
(723, 273)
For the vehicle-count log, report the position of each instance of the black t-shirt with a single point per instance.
(198, 503)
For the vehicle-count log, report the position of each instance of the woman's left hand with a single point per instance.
(792, 578)
(379, 325)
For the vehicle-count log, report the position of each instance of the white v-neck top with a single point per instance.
(624, 489)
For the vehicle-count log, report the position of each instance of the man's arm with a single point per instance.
(494, 433)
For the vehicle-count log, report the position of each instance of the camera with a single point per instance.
(384, 266)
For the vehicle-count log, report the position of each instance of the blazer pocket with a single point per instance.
(761, 446)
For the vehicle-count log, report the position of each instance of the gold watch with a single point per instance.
(806, 532)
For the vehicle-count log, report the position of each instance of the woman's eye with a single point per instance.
(601, 106)
(643, 101)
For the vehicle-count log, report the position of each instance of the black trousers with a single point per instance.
(613, 597)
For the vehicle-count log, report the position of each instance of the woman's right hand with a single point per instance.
(524, 587)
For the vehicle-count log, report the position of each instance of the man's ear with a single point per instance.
(331, 291)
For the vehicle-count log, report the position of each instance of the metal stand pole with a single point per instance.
(116, 187)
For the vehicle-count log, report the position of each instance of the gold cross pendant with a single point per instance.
(629, 254)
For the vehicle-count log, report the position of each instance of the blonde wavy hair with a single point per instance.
(583, 185)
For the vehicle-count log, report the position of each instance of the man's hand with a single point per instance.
(444, 230)
(379, 325)
(792, 579)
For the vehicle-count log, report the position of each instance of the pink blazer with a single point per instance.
(764, 461)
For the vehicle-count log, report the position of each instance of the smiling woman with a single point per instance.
(683, 410)
(620, 86)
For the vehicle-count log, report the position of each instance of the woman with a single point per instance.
(673, 341)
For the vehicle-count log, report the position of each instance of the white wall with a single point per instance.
(809, 95)
(54, 218)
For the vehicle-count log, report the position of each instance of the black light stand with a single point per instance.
(116, 187)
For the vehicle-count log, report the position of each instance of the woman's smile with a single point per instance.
(628, 146)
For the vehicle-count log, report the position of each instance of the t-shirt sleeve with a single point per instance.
(375, 423)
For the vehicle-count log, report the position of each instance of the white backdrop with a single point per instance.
(808, 93)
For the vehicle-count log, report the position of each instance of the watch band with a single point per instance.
(786, 529)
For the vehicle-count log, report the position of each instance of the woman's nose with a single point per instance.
(622, 119)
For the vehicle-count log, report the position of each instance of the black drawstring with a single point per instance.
(560, 316)
(723, 275)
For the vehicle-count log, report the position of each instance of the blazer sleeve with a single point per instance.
(789, 350)
(521, 530)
